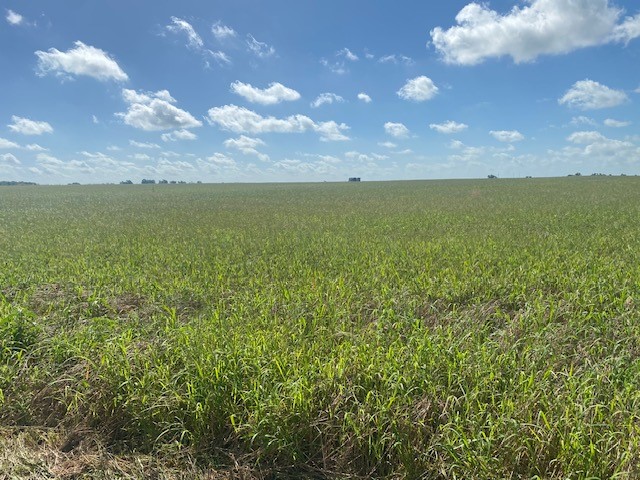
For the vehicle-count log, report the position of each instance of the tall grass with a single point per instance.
(468, 329)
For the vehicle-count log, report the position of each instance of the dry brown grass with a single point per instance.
(37, 454)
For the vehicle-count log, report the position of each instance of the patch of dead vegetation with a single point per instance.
(31, 453)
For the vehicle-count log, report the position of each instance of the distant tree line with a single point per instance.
(5, 183)
(150, 181)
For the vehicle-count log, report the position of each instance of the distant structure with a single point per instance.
(354, 179)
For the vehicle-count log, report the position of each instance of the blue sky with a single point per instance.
(253, 91)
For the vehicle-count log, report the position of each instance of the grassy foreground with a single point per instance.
(441, 330)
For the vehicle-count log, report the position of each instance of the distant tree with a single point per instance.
(147, 181)
(491, 176)
(126, 182)
(163, 182)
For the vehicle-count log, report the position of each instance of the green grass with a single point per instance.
(437, 329)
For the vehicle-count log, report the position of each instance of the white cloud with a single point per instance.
(247, 145)
(14, 18)
(133, 143)
(113, 148)
(597, 151)
(585, 137)
(388, 144)
(242, 120)
(397, 130)
(610, 122)
(339, 66)
(627, 30)
(418, 89)
(81, 60)
(178, 135)
(94, 120)
(222, 31)
(326, 98)
(336, 67)
(155, 111)
(259, 49)
(364, 97)
(275, 93)
(195, 42)
(448, 127)
(590, 95)
(221, 160)
(348, 54)
(8, 144)
(29, 127)
(182, 26)
(507, 136)
(140, 156)
(332, 131)
(9, 159)
(34, 147)
(541, 27)
(582, 120)
(397, 59)
(220, 57)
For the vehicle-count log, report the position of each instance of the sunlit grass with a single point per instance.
(467, 329)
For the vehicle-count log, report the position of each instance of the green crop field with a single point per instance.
(438, 329)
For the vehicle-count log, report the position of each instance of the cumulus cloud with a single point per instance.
(326, 98)
(222, 31)
(585, 137)
(9, 159)
(275, 93)
(221, 160)
(81, 60)
(448, 127)
(177, 135)
(155, 111)
(387, 144)
(8, 144)
(14, 18)
(595, 148)
(179, 26)
(590, 95)
(364, 97)
(29, 127)
(541, 27)
(507, 136)
(610, 122)
(397, 130)
(242, 120)
(247, 145)
(627, 30)
(259, 49)
(418, 89)
(332, 131)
